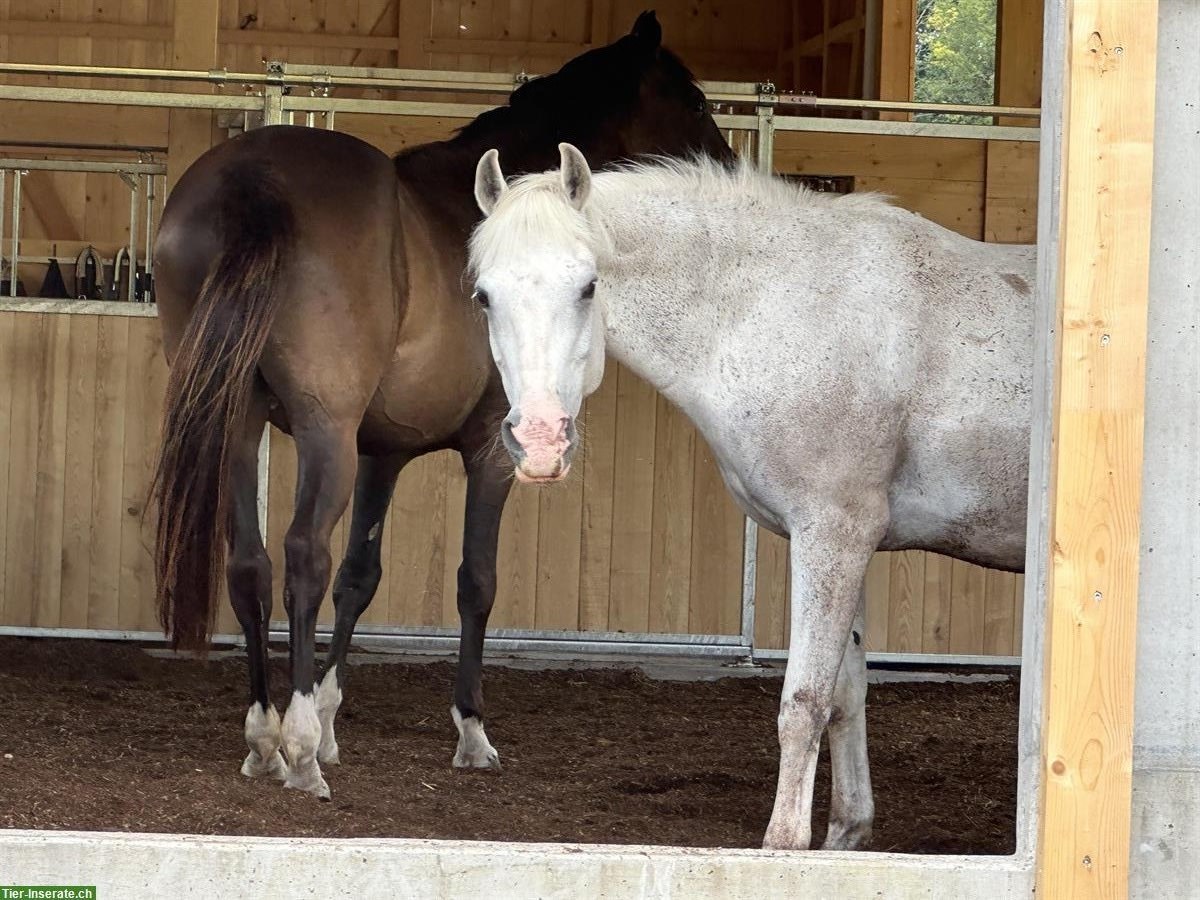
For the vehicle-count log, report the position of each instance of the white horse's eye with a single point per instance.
(480, 296)
(588, 292)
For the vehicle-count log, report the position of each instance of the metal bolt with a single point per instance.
(1104, 339)
(1087, 862)
(1118, 50)
(1097, 596)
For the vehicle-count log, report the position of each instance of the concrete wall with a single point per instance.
(1165, 851)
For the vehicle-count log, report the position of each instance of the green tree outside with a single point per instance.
(955, 55)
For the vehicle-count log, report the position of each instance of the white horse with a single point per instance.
(862, 375)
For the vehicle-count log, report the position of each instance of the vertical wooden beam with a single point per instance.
(1103, 254)
(897, 52)
(194, 46)
(414, 19)
(601, 28)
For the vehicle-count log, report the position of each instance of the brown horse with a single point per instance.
(306, 279)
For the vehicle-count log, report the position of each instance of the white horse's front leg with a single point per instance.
(827, 575)
(852, 807)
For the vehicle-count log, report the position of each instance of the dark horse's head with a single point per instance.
(629, 98)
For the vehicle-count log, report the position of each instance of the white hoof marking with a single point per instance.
(474, 751)
(329, 699)
(263, 739)
(301, 737)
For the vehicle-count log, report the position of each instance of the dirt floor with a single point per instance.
(104, 736)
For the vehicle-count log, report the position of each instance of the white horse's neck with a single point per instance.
(660, 319)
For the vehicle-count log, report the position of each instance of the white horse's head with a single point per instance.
(534, 263)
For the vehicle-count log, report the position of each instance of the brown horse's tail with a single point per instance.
(208, 393)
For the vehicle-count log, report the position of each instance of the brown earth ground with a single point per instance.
(104, 736)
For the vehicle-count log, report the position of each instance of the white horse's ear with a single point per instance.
(489, 182)
(576, 175)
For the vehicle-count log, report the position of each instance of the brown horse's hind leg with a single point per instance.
(326, 457)
(355, 584)
(487, 489)
(248, 572)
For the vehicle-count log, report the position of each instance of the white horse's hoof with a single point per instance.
(309, 780)
(329, 698)
(843, 836)
(263, 736)
(474, 751)
(301, 738)
(274, 766)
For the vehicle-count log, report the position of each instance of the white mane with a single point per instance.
(535, 206)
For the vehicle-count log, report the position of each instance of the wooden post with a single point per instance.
(194, 46)
(897, 53)
(1104, 238)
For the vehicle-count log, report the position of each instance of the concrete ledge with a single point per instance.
(145, 865)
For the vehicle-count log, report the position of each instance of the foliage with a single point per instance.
(956, 53)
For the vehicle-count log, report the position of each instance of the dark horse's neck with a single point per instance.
(526, 143)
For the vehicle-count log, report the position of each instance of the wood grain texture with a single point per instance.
(1102, 294)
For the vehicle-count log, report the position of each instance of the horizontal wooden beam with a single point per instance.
(323, 40)
(96, 30)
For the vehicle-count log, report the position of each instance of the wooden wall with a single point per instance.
(643, 537)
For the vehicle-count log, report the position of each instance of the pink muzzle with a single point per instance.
(544, 435)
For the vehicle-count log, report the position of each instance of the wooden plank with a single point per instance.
(717, 545)
(456, 503)
(906, 602)
(671, 532)
(417, 559)
(878, 587)
(969, 585)
(81, 440)
(193, 46)
(599, 459)
(143, 410)
(998, 613)
(601, 22)
(897, 52)
(1106, 164)
(29, 364)
(633, 504)
(559, 538)
(8, 387)
(936, 604)
(110, 394)
(516, 569)
(1010, 200)
(414, 25)
(771, 596)
(957, 205)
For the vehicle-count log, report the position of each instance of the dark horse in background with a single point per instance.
(306, 279)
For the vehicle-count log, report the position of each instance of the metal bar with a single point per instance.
(79, 165)
(135, 196)
(739, 122)
(749, 582)
(127, 98)
(272, 105)
(149, 250)
(77, 307)
(386, 107)
(376, 75)
(3, 177)
(16, 235)
(912, 129)
(603, 637)
(913, 659)
(910, 106)
(448, 644)
(264, 480)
